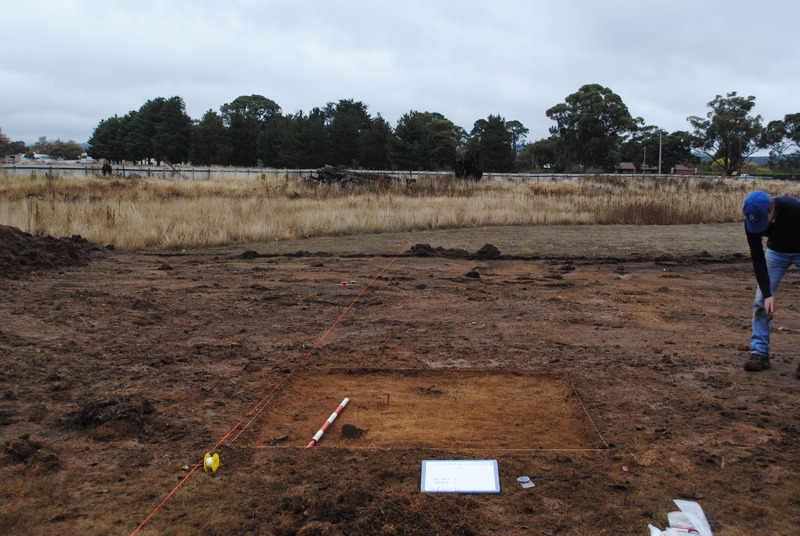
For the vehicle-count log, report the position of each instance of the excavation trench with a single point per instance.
(463, 409)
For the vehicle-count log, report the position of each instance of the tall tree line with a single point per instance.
(593, 131)
(159, 131)
(252, 131)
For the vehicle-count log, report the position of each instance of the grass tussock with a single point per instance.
(147, 213)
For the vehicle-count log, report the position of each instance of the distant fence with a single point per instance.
(158, 172)
(191, 173)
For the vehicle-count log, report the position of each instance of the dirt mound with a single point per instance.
(96, 411)
(488, 251)
(113, 417)
(24, 450)
(22, 253)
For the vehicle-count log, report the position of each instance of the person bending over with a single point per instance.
(778, 219)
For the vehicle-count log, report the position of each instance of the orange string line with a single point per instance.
(263, 401)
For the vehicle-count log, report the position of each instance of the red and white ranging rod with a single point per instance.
(325, 426)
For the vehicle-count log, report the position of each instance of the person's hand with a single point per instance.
(769, 305)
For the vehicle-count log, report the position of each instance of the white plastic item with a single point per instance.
(694, 512)
(690, 520)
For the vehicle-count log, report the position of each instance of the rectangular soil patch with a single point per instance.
(440, 409)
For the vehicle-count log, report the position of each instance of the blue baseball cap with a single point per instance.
(756, 212)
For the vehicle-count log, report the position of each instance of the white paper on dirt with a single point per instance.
(460, 476)
(695, 514)
(689, 511)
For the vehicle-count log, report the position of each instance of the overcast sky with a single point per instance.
(70, 63)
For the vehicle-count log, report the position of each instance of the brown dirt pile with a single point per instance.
(22, 253)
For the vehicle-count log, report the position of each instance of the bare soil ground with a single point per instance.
(603, 362)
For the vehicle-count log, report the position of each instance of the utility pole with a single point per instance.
(644, 162)
(659, 152)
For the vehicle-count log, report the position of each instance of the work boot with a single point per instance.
(756, 363)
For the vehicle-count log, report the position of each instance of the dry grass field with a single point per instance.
(175, 214)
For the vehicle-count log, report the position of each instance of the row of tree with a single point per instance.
(593, 131)
(251, 131)
(729, 134)
(59, 150)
